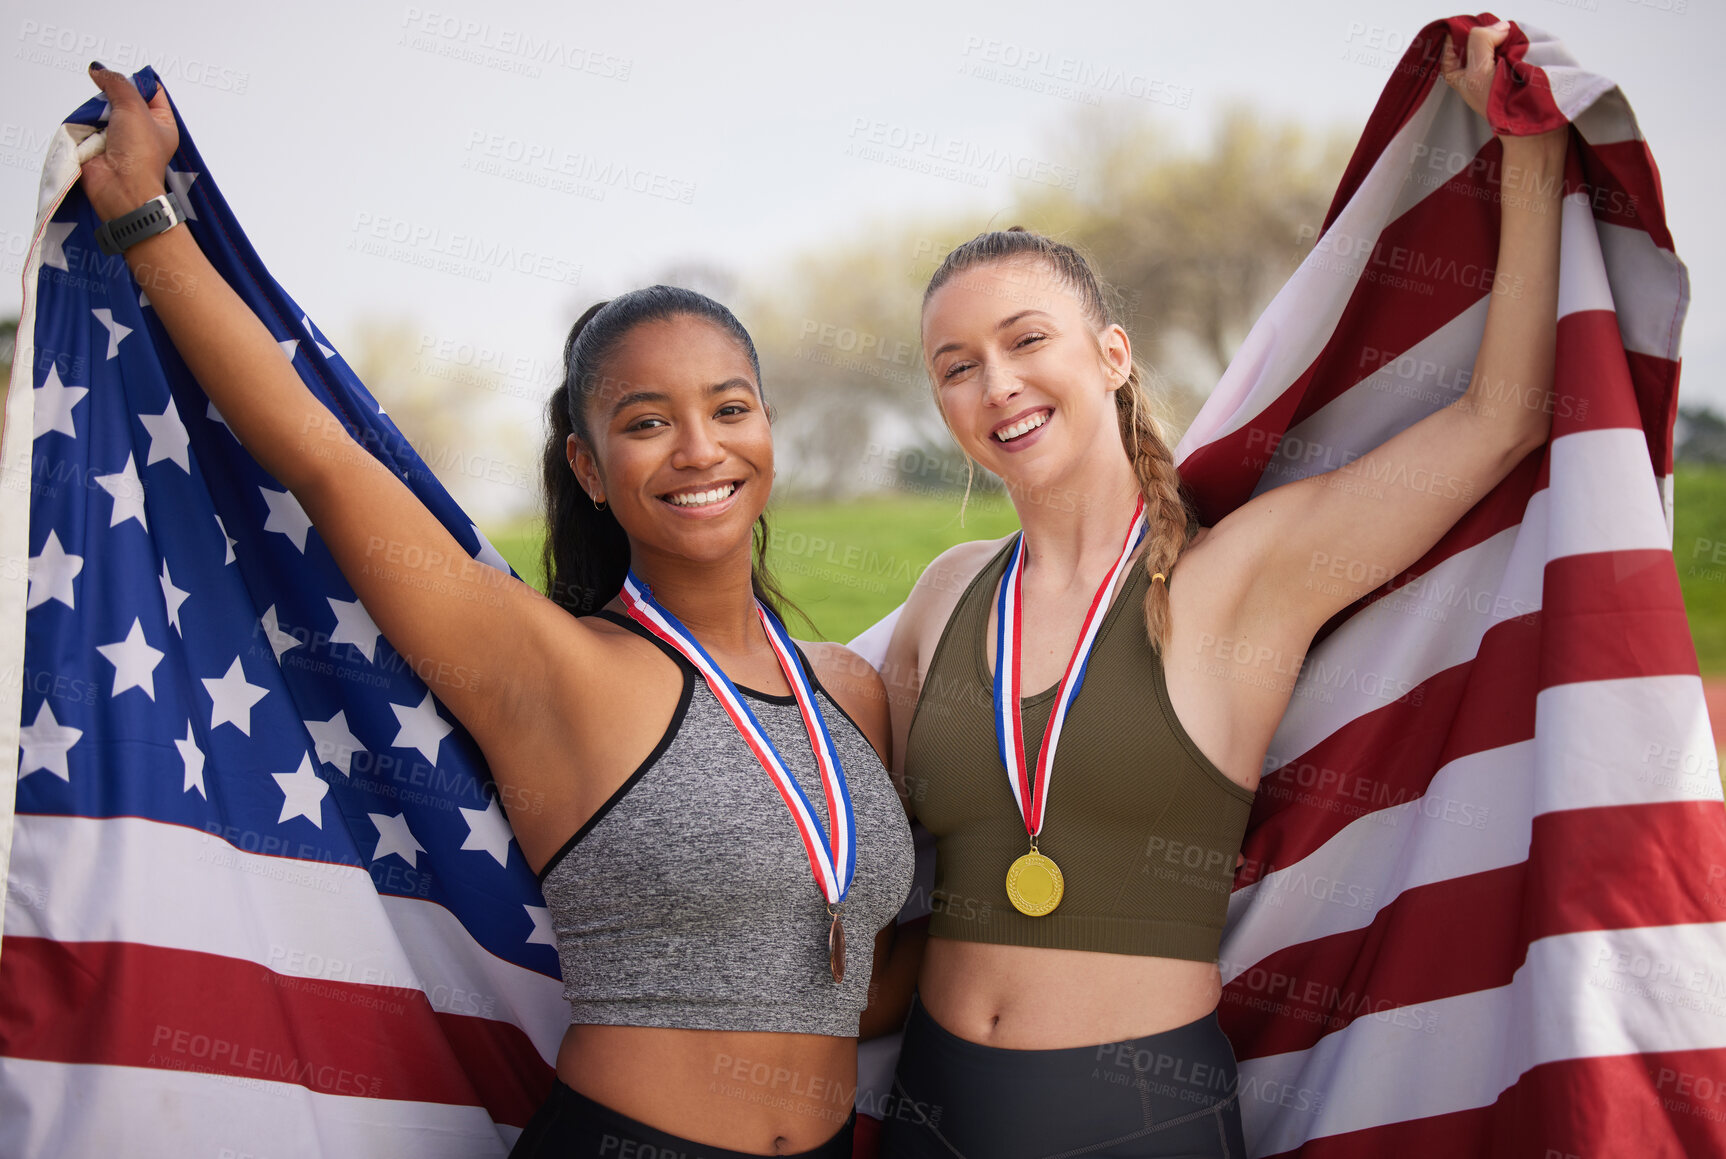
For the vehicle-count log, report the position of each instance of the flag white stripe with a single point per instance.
(1477, 812)
(1578, 995)
(66, 1109)
(109, 878)
(1646, 280)
(1296, 327)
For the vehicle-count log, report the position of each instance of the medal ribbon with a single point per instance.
(1031, 785)
(832, 858)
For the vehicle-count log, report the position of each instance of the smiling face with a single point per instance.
(681, 448)
(1023, 377)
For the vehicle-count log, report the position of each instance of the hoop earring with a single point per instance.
(599, 505)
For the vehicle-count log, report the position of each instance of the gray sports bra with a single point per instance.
(687, 899)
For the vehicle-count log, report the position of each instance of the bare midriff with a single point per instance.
(1034, 998)
(763, 1093)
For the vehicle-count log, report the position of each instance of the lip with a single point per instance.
(711, 510)
(1024, 441)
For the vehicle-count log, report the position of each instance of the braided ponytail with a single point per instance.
(1169, 511)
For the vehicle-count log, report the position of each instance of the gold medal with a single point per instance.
(1034, 884)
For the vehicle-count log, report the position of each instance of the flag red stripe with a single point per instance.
(1646, 1105)
(1606, 615)
(1625, 188)
(1426, 267)
(124, 1004)
(1411, 952)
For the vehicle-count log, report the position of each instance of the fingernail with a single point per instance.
(1502, 24)
(98, 66)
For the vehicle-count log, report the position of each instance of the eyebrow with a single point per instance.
(999, 326)
(655, 396)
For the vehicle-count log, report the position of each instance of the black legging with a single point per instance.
(1157, 1097)
(569, 1125)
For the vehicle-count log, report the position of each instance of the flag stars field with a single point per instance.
(421, 727)
(286, 516)
(488, 831)
(335, 742)
(193, 756)
(303, 793)
(231, 698)
(52, 573)
(134, 661)
(280, 641)
(54, 236)
(228, 539)
(541, 934)
(116, 331)
(53, 405)
(168, 438)
(173, 597)
(45, 743)
(395, 837)
(180, 185)
(128, 492)
(354, 626)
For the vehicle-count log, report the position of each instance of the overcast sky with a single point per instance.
(608, 142)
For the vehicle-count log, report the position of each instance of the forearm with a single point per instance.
(239, 363)
(1510, 389)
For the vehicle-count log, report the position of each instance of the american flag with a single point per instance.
(1483, 910)
(1484, 905)
(261, 896)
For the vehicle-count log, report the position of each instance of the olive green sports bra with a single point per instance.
(1143, 826)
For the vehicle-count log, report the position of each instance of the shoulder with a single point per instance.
(854, 685)
(938, 589)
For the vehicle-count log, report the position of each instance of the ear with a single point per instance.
(585, 466)
(1117, 351)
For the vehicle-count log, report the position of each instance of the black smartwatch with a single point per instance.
(155, 215)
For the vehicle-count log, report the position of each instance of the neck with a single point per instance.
(714, 600)
(1074, 530)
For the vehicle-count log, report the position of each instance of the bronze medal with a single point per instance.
(836, 948)
(1034, 884)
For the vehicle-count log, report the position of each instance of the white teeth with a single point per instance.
(702, 498)
(1021, 427)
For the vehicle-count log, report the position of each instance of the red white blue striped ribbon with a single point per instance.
(1032, 793)
(832, 856)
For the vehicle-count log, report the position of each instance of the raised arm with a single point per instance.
(480, 638)
(1380, 513)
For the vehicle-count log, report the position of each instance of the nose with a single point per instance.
(999, 386)
(698, 447)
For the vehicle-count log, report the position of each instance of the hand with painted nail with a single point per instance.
(141, 137)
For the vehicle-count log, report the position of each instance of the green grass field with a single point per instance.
(844, 564)
(1699, 550)
(848, 564)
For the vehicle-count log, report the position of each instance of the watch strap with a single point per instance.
(154, 216)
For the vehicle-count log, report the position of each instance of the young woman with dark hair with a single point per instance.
(1080, 1018)
(700, 884)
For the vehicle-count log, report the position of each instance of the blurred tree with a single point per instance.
(1700, 435)
(8, 343)
(467, 411)
(1193, 242)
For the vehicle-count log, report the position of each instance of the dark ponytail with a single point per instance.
(586, 551)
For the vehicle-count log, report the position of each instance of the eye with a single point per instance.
(644, 424)
(733, 408)
(1027, 340)
(953, 370)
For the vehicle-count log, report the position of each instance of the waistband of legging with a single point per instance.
(1201, 1037)
(837, 1146)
